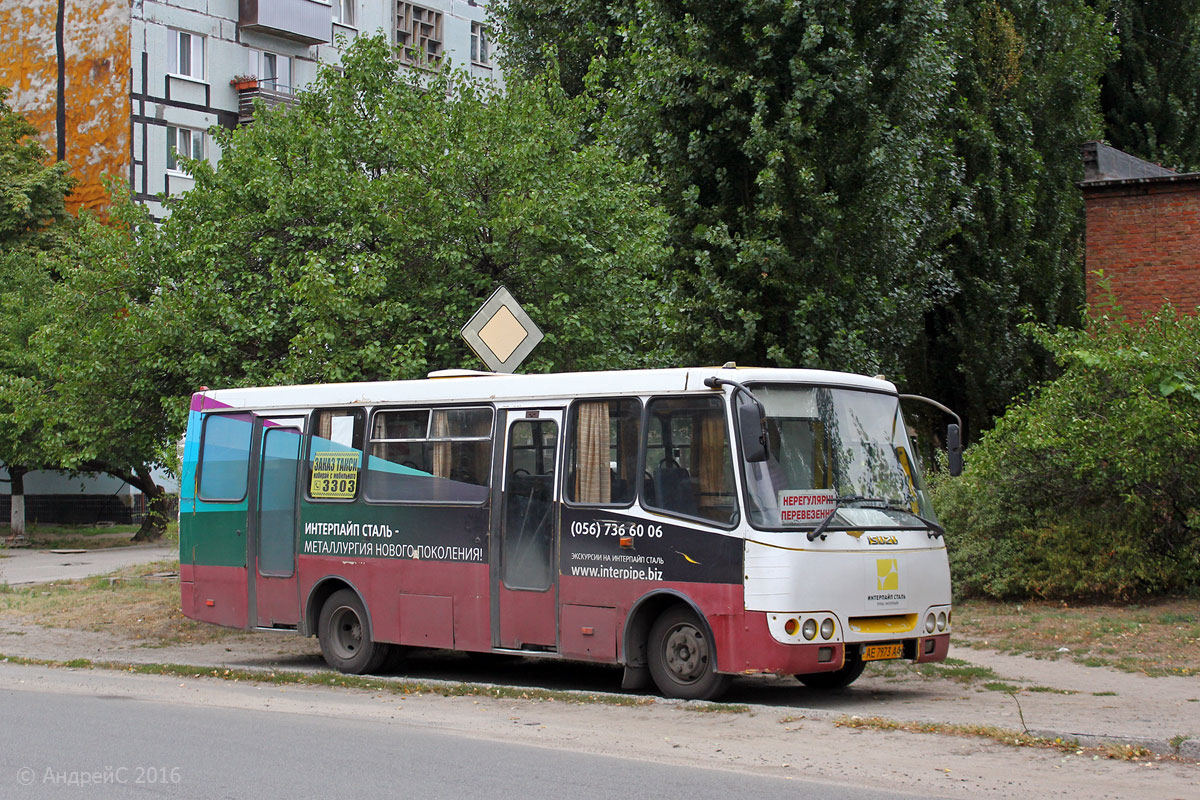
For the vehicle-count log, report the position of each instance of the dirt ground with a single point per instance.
(769, 724)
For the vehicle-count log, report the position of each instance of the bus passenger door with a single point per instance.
(524, 578)
(274, 592)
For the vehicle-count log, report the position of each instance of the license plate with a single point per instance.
(879, 652)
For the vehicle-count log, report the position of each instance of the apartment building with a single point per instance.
(125, 87)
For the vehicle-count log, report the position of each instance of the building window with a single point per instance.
(481, 47)
(343, 12)
(418, 34)
(183, 143)
(185, 54)
(274, 71)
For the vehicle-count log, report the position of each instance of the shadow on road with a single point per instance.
(504, 670)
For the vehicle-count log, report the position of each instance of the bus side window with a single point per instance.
(335, 454)
(689, 459)
(602, 455)
(224, 457)
(440, 455)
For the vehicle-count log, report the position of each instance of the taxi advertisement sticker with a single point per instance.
(334, 475)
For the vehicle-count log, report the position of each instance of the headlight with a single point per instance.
(941, 622)
(930, 623)
(826, 628)
(791, 626)
(810, 629)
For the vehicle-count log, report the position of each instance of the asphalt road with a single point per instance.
(63, 742)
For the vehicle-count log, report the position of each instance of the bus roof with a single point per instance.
(464, 386)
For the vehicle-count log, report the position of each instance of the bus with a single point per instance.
(688, 524)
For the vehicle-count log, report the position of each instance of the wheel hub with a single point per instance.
(347, 632)
(686, 653)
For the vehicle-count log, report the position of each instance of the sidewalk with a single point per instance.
(21, 566)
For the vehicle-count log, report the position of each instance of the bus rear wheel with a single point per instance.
(838, 679)
(345, 635)
(682, 657)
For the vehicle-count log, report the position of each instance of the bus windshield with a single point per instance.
(840, 451)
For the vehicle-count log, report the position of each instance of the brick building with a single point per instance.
(1143, 231)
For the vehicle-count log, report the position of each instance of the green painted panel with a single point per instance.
(210, 537)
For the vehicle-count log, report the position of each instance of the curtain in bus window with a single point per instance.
(225, 456)
(441, 450)
(593, 482)
(713, 458)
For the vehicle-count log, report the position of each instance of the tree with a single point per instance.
(350, 238)
(1025, 96)
(801, 157)
(864, 187)
(34, 223)
(1151, 92)
(1090, 486)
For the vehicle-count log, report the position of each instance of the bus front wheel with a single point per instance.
(682, 657)
(838, 679)
(345, 635)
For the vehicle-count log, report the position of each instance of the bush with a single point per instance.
(1091, 486)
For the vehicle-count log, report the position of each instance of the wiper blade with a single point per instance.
(933, 529)
(840, 501)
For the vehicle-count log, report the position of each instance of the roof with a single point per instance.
(487, 387)
(1107, 167)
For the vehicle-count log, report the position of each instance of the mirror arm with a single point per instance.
(933, 403)
(714, 382)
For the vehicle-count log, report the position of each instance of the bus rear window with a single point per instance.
(441, 455)
(225, 457)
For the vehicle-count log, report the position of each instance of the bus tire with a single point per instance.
(345, 635)
(682, 657)
(838, 679)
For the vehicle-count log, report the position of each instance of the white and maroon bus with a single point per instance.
(689, 524)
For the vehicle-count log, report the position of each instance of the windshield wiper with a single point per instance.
(838, 503)
(875, 502)
(934, 528)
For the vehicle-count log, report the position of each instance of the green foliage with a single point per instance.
(800, 151)
(1151, 93)
(1090, 486)
(34, 227)
(862, 186)
(1025, 95)
(349, 238)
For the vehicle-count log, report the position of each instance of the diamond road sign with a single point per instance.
(501, 333)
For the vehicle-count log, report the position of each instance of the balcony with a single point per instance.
(249, 91)
(304, 21)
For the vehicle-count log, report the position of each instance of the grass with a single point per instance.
(1157, 638)
(997, 734)
(132, 602)
(90, 537)
(396, 686)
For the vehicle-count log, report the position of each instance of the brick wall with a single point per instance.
(1145, 236)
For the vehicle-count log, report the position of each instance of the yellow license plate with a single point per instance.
(879, 652)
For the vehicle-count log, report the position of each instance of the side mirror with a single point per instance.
(954, 449)
(753, 431)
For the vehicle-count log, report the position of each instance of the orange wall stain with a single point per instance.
(96, 38)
